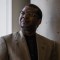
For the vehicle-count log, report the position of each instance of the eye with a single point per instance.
(22, 13)
(31, 14)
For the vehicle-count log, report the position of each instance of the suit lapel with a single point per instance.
(42, 48)
(24, 47)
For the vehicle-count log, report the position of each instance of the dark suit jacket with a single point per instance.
(14, 47)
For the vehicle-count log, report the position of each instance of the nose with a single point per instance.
(26, 18)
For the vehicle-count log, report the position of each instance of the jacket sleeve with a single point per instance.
(3, 50)
(54, 53)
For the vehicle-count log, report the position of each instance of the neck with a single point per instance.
(26, 33)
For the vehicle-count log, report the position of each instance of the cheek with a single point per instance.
(33, 21)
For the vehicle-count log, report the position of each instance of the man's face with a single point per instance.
(28, 19)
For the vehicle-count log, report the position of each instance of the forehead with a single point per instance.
(29, 9)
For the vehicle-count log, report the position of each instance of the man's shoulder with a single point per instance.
(6, 36)
(9, 36)
(45, 39)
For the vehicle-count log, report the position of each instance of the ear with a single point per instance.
(39, 22)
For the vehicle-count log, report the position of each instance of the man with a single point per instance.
(27, 44)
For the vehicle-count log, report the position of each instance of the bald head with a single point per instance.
(37, 9)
